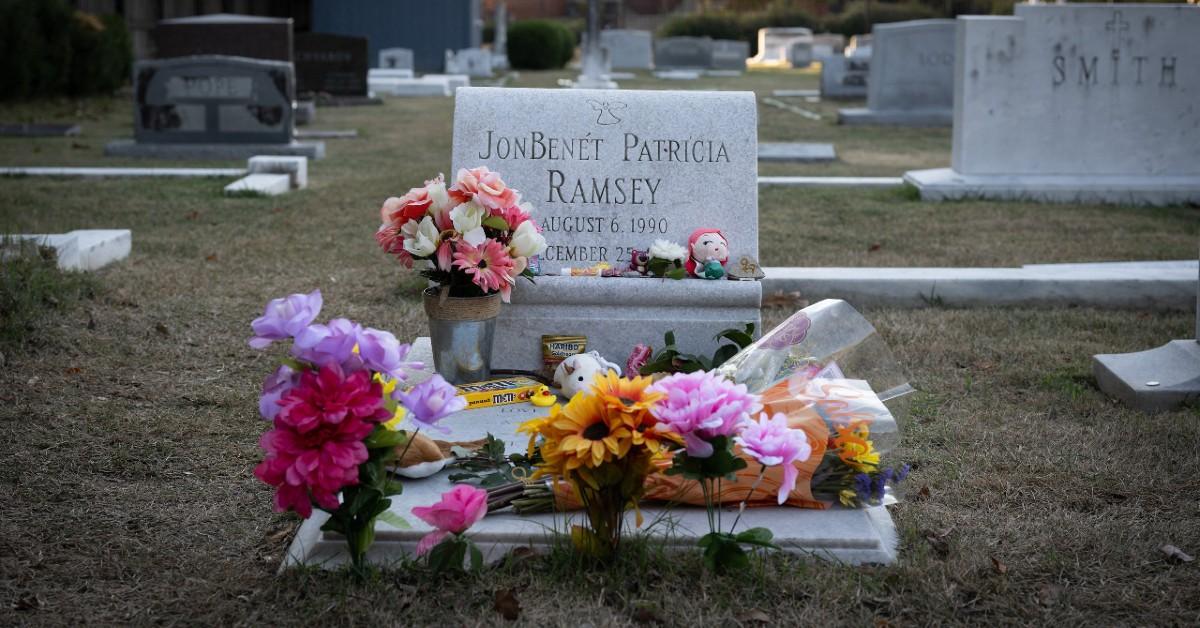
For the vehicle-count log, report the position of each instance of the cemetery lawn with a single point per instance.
(129, 425)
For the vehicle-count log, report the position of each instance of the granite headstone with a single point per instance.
(474, 62)
(396, 59)
(844, 78)
(609, 172)
(1077, 103)
(775, 45)
(912, 76)
(332, 64)
(628, 49)
(730, 54)
(252, 36)
(676, 53)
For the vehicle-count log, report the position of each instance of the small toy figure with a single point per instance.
(746, 269)
(543, 397)
(639, 262)
(576, 373)
(708, 252)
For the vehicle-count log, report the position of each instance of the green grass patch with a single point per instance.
(32, 287)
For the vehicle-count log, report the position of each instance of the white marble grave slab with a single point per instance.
(264, 184)
(86, 249)
(296, 168)
(850, 536)
(800, 152)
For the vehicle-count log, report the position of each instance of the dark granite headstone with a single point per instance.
(333, 64)
(251, 36)
(213, 100)
(683, 52)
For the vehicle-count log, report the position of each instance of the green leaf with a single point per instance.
(740, 338)
(496, 222)
(669, 340)
(476, 557)
(678, 273)
(382, 437)
(723, 354)
(756, 536)
(394, 520)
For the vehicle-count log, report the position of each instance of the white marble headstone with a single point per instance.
(608, 171)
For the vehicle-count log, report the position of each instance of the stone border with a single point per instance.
(130, 148)
(1120, 285)
(944, 184)
(834, 182)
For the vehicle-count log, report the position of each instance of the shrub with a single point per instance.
(539, 45)
(46, 49)
(853, 21)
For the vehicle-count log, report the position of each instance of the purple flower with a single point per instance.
(431, 401)
(381, 352)
(285, 317)
(701, 406)
(903, 472)
(881, 483)
(862, 487)
(274, 387)
(334, 343)
(771, 442)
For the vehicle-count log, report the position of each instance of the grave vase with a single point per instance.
(461, 331)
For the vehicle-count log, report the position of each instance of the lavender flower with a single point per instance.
(862, 487)
(381, 352)
(275, 386)
(329, 344)
(431, 401)
(285, 317)
(701, 406)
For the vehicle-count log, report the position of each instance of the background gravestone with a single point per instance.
(268, 38)
(844, 78)
(912, 76)
(1076, 103)
(628, 49)
(223, 107)
(683, 53)
(607, 172)
(396, 59)
(331, 64)
(473, 62)
(730, 55)
(775, 45)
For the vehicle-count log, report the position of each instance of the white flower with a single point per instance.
(526, 241)
(468, 220)
(436, 190)
(665, 249)
(420, 239)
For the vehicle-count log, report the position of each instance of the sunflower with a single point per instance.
(621, 393)
(594, 433)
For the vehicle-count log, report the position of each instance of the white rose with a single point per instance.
(420, 239)
(468, 220)
(665, 249)
(526, 241)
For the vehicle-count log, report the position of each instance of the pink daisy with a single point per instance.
(488, 264)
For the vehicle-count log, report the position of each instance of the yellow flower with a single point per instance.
(629, 395)
(854, 448)
(594, 433)
(848, 498)
(389, 386)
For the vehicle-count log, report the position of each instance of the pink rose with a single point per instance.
(514, 215)
(430, 198)
(458, 510)
(487, 186)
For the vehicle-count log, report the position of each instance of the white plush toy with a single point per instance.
(577, 372)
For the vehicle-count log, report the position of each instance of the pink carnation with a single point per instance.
(701, 406)
(486, 186)
(316, 445)
(771, 442)
(460, 508)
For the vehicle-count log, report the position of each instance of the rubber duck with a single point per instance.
(543, 397)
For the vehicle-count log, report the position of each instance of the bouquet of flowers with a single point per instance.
(476, 234)
(602, 444)
(331, 403)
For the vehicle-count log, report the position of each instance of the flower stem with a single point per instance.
(742, 506)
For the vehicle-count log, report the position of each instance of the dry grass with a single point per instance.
(128, 443)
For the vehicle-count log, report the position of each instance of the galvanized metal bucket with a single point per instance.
(461, 330)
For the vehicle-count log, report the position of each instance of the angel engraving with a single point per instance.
(606, 116)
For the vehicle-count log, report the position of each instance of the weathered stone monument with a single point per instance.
(628, 49)
(213, 107)
(1075, 103)
(844, 78)
(331, 64)
(500, 38)
(912, 76)
(595, 66)
(609, 172)
(775, 46)
(729, 55)
(256, 37)
(1155, 380)
(473, 62)
(826, 45)
(683, 53)
(396, 59)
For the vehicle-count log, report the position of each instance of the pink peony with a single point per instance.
(489, 266)
(771, 442)
(637, 359)
(486, 186)
(458, 510)
(316, 445)
(701, 406)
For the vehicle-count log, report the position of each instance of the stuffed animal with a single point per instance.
(576, 373)
(708, 252)
(639, 262)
